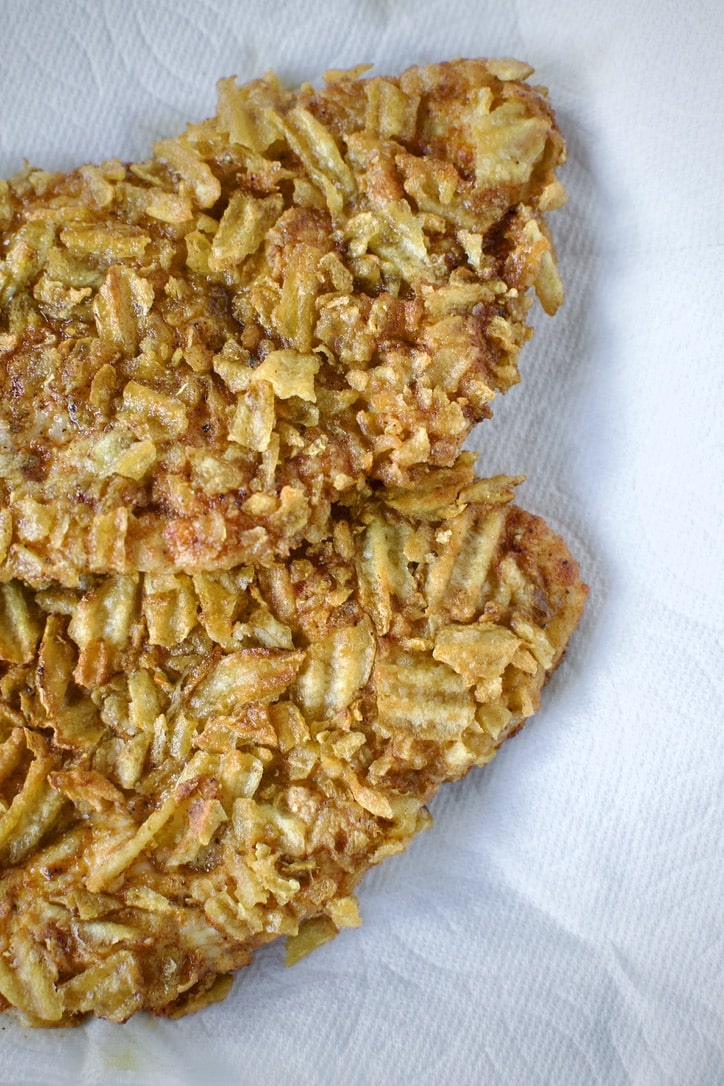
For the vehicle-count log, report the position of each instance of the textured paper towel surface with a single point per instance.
(562, 922)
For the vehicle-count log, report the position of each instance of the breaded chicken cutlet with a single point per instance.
(203, 352)
(191, 767)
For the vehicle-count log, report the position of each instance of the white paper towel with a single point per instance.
(562, 922)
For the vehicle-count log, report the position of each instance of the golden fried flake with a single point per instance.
(202, 352)
(191, 766)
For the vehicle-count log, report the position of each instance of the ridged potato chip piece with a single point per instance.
(193, 766)
(311, 288)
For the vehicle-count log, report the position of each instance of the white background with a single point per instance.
(562, 922)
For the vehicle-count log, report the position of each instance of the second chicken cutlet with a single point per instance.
(192, 767)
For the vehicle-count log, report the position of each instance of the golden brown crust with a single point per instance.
(201, 353)
(190, 767)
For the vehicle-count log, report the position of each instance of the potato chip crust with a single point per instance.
(202, 352)
(193, 765)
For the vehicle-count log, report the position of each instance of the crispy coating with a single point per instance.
(191, 766)
(201, 353)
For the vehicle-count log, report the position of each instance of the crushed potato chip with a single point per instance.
(233, 668)
(191, 766)
(308, 290)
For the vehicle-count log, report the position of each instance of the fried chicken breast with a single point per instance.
(193, 765)
(200, 354)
